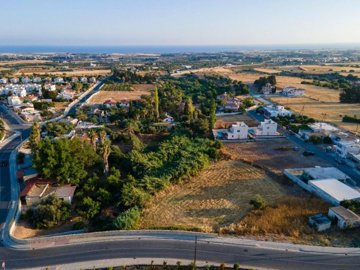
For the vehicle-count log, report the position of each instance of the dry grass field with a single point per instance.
(22, 62)
(218, 197)
(92, 72)
(328, 111)
(225, 121)
(287, 219)
(320, 69)
(268, 70)
(139, 90)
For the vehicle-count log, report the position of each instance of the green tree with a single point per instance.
(156, 101)
(127, 220)
(88, 208)
(34, 137)
(189, 109)
(212, 117)
(258, 202)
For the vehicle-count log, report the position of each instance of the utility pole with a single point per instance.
(195, 252)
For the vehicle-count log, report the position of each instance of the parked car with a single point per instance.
(308, 153)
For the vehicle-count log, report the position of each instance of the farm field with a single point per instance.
(22, 62)
(218, 197)
(268, 70)
(320, 69)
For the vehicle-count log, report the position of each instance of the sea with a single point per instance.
(166, 49)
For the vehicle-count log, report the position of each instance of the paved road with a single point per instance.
(178, 249)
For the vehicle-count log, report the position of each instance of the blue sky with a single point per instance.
(178, 22)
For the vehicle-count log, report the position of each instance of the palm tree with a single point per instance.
(93, 137)
(105, 155)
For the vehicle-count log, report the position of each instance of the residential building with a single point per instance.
(232, 104)
(345, 148)
(58, 80)
(92, 80)
(50, 87)
(14, 100)
(267, 89)
(83, 80)
(3, 80)
(275, 111)
(320, 222)
(25, 80)
(74, 79)
(37, 80)
(344, 218)
(168, 119)
(292, 91)
(266, 128)
(318, 172)
(14, 80)
(333, 191)
(318, 129)
(37, 190)
(66, 94)
(238, 131)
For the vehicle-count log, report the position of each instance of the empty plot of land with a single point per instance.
(273, 155)
(138, 91)
(225, 121)
(219, 196)
(268, 70)
(329, 111)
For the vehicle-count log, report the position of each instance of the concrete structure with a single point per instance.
(267, 89)
(238, 131)
(74, 79)
(35, 191)
(13, 100)
(50, 87)
(275, 111)
(83, 80)
(333, 191)
(14, 80)
(92, 80)
(58, 80)
(324, 173)
(266, 128)
(232, 104)
(344, 218)
(3, 80)
(66, 94)
(25, 80)
(320, 222)
(37, 80)
(292, 91)
(318, 129)
(345, 148)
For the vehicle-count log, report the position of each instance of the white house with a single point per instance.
(83, 80)
(344, 218)
(14, 100)
(50, 87)
(37, 80)
(74, 79)
(238, 131)
(275, 111)
(344, 148)
(92, 80)
(66, 94)
(267, 89)
(293, 91)
(266, 128)
(25, 80)
(14, 80)
(3, 80)
(58, 80)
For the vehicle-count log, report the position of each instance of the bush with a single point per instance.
(327, 140)
(79, 225)
(127, 220)
(258, 202)
(315, 139)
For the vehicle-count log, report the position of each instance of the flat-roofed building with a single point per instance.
(344, 218)
(333, 191)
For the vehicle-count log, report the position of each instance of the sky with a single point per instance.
(178, 22)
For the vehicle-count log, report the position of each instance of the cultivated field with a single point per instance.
(219, 196)
(268, 70)
(135, 94)
(22, 62)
